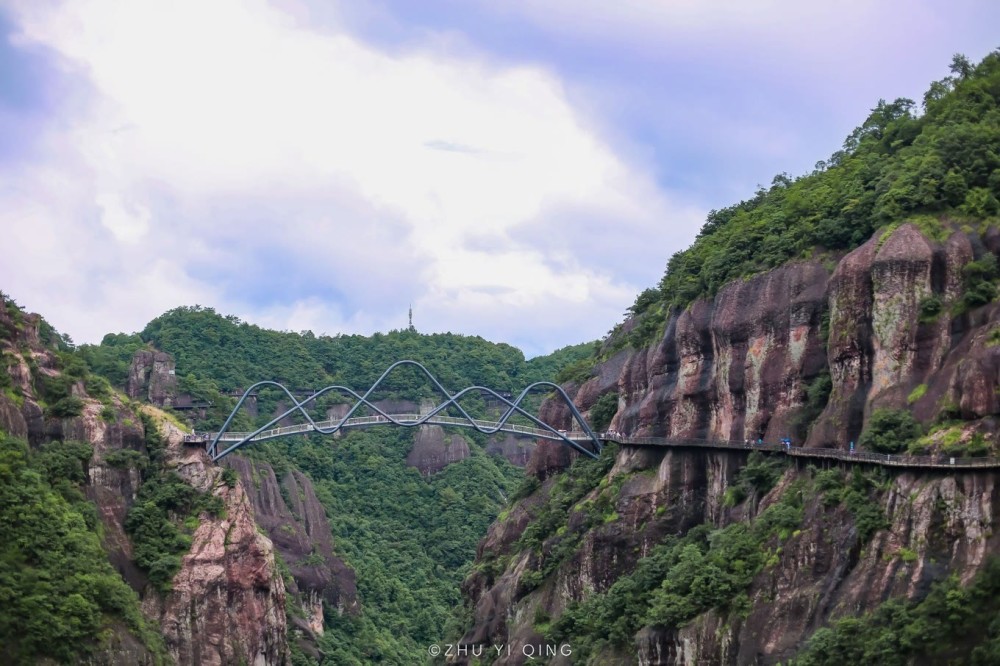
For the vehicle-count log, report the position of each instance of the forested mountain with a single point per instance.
(62, 598)
(854, 308)
(900, 164)
(216, 354)
(409, 537)
(233, 354)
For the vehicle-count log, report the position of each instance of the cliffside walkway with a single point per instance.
(583, 438)
(870, 457)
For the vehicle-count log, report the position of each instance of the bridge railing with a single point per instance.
(892, 460)
(361, 421)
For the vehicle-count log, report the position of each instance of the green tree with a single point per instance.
(890, 431)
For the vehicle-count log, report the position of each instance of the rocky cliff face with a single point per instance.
(433, 449)
(881, 348)
(151, 377)
(227, 603)
(517, 450)
(740, 367)
(295, 521)
(938, 524)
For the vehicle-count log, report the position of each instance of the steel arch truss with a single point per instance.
(451, 400)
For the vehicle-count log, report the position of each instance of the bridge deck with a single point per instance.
(368, 421)
(889, 460)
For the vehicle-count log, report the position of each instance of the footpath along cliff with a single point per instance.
(683, 556)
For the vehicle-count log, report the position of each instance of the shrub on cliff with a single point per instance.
(890, 431)
(67, 407)
(979, 277)
(159, 522)
(603, 411)
(758, 476)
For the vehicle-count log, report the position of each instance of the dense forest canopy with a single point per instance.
(217, 353)
(898, 165)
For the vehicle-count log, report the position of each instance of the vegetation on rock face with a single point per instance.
(890, 431)
(758, 476)
(952, 624)
(547, 534)
(898, 164)
(817, 394)
(857, 496)
(59, 594)
(980, 282)
(603, 411)
(164, 515)
(683, 576)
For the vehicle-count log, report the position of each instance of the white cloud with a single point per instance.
(128, 224)
(224, 140)
(61, 258)
(810, 29)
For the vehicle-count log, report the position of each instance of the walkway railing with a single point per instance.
(885, 459)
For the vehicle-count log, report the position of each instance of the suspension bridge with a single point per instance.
(581, 438)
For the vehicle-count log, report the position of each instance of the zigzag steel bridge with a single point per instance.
(582, 440)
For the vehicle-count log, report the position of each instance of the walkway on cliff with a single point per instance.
(885, 459)
(583, 440)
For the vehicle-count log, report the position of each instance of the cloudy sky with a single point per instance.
(518, 170)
